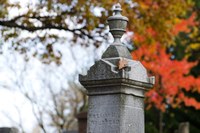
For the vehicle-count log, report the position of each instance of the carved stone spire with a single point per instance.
(117, 23)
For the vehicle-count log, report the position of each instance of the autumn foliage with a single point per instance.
(184, 25)
(173, 78)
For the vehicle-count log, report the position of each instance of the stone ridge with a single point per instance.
(115, 50)
(107, 68)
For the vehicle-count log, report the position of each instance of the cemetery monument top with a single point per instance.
(116, 66)
(117, 23)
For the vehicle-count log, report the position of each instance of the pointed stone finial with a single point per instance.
(117, 9)
(117, 23)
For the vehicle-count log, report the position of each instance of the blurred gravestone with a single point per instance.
(184, 127)
(8, 130)
(82, 122)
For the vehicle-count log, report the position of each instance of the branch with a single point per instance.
(12, 24)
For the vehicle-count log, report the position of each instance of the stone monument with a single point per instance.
(116, 85)
(8, 130)
(184, 127)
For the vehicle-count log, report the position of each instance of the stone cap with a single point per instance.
(108, 68)
(115, 82)
(117, 13)
(116, 86)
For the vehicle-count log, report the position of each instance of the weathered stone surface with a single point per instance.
(116, 96)
(117, 50)
(119, 113)
(108, 69)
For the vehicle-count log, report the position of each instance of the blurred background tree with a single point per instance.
(48, 21)
(166, 36)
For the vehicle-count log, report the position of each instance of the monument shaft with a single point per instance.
(116, 86)
(115, 114)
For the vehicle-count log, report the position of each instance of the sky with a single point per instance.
(29, 75)
(18, 76)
